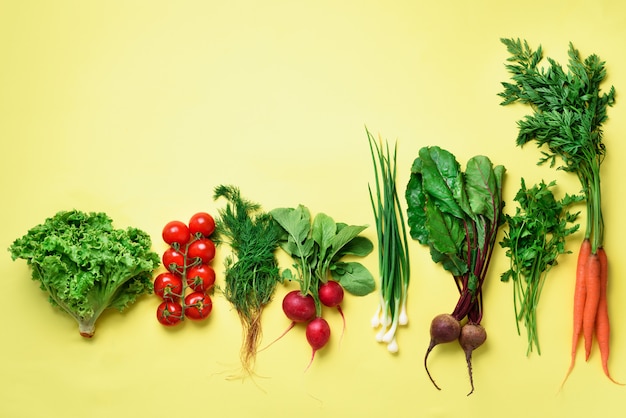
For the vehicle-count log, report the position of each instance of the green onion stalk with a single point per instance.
(393, 252)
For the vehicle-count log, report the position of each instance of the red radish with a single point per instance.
(444, 328)
(472, 336)
(297, 307)
(331, 295)
(317, 334)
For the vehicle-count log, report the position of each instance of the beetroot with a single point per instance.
(457, 213)
(471, 337)
(444, 328)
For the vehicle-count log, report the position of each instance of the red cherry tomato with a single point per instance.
(198, 305)
(169, 313)
(201, 277)
(173, 260)
(202, 248)
(176, 232)
(202, 223)
(168, 287)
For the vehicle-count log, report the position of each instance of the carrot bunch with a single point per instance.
(568, 113)
(591, 315)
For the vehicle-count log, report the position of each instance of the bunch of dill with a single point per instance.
(251, 270)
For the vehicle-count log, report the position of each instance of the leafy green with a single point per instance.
(87, 266)
(252, 272)
(318, 247)
(457, 215)
(566, 123)
(535, 238)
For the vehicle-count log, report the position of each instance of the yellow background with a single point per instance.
(141, 108)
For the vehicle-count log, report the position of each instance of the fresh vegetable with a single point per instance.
(200, 277)
(168, 287)
(299, 307)
(176, 232)
(331, 294)
(580, 294)
(252, 271)
(202, 249)
(202, 223)
(472, 336)
(186, 287)
(592, 299)
(603, 329)
(444, 328)
(457, 215)
(174, 260)
(317, 248)
(535, 238)
(393, 251)
(86, 265)
(198, 305)
(169, 313)
(317, 334)
(568, 111)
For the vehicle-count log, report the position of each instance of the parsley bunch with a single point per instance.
(535, 238)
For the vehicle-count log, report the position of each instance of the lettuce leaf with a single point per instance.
(86, 265)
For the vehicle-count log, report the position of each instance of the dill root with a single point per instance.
(251, 270)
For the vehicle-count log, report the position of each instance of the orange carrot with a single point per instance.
(602, 320)
(580, 295)
(592, 285)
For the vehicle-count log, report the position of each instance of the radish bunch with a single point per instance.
(303, 309)
(317, 247)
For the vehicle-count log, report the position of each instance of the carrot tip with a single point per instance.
(606, 372)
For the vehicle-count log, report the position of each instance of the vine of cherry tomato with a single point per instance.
(185, 288)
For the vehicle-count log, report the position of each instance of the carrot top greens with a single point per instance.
(568, 113)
